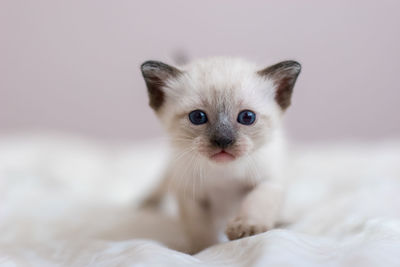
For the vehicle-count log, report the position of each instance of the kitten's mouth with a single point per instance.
(222, 156)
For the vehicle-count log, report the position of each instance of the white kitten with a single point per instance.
(223, 116)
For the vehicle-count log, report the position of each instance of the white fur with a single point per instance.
(68, 202)
(220, 74)
(243, 197)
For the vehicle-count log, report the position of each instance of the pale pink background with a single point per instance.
(74, 65)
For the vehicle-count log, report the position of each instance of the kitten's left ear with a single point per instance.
(284, 76)
(155, 74)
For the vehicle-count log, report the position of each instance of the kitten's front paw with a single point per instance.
(242, 227)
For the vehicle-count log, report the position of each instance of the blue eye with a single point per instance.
(246, 117)
(198, 117)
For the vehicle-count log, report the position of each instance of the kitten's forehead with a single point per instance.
(220, 74)
(221, 84)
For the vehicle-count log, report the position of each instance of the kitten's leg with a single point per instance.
(154, 199)
(198, 223)
(258, 212)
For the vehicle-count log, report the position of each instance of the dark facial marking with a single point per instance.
(222, 141)
(222, 132)
(155, 74)
(205, 203)
(284, 74)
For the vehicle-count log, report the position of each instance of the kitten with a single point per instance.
(223, 118)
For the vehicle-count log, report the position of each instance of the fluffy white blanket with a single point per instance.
(70, 202)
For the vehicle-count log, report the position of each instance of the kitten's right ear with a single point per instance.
(156, 74)
(284, 75)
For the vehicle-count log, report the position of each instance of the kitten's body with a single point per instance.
(225, 171)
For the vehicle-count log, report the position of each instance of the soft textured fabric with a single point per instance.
(70, 202)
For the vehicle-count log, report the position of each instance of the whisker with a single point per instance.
(176, 179)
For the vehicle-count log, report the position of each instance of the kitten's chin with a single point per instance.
(222, 157)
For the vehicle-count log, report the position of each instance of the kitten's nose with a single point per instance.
(222, 142)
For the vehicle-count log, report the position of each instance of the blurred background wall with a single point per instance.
(73, 66)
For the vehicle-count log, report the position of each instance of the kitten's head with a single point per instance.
(221, 109)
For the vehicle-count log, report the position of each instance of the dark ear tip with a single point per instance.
(149, 64)
(158, 68)
(292, 64)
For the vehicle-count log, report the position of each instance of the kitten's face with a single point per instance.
(220, 109)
